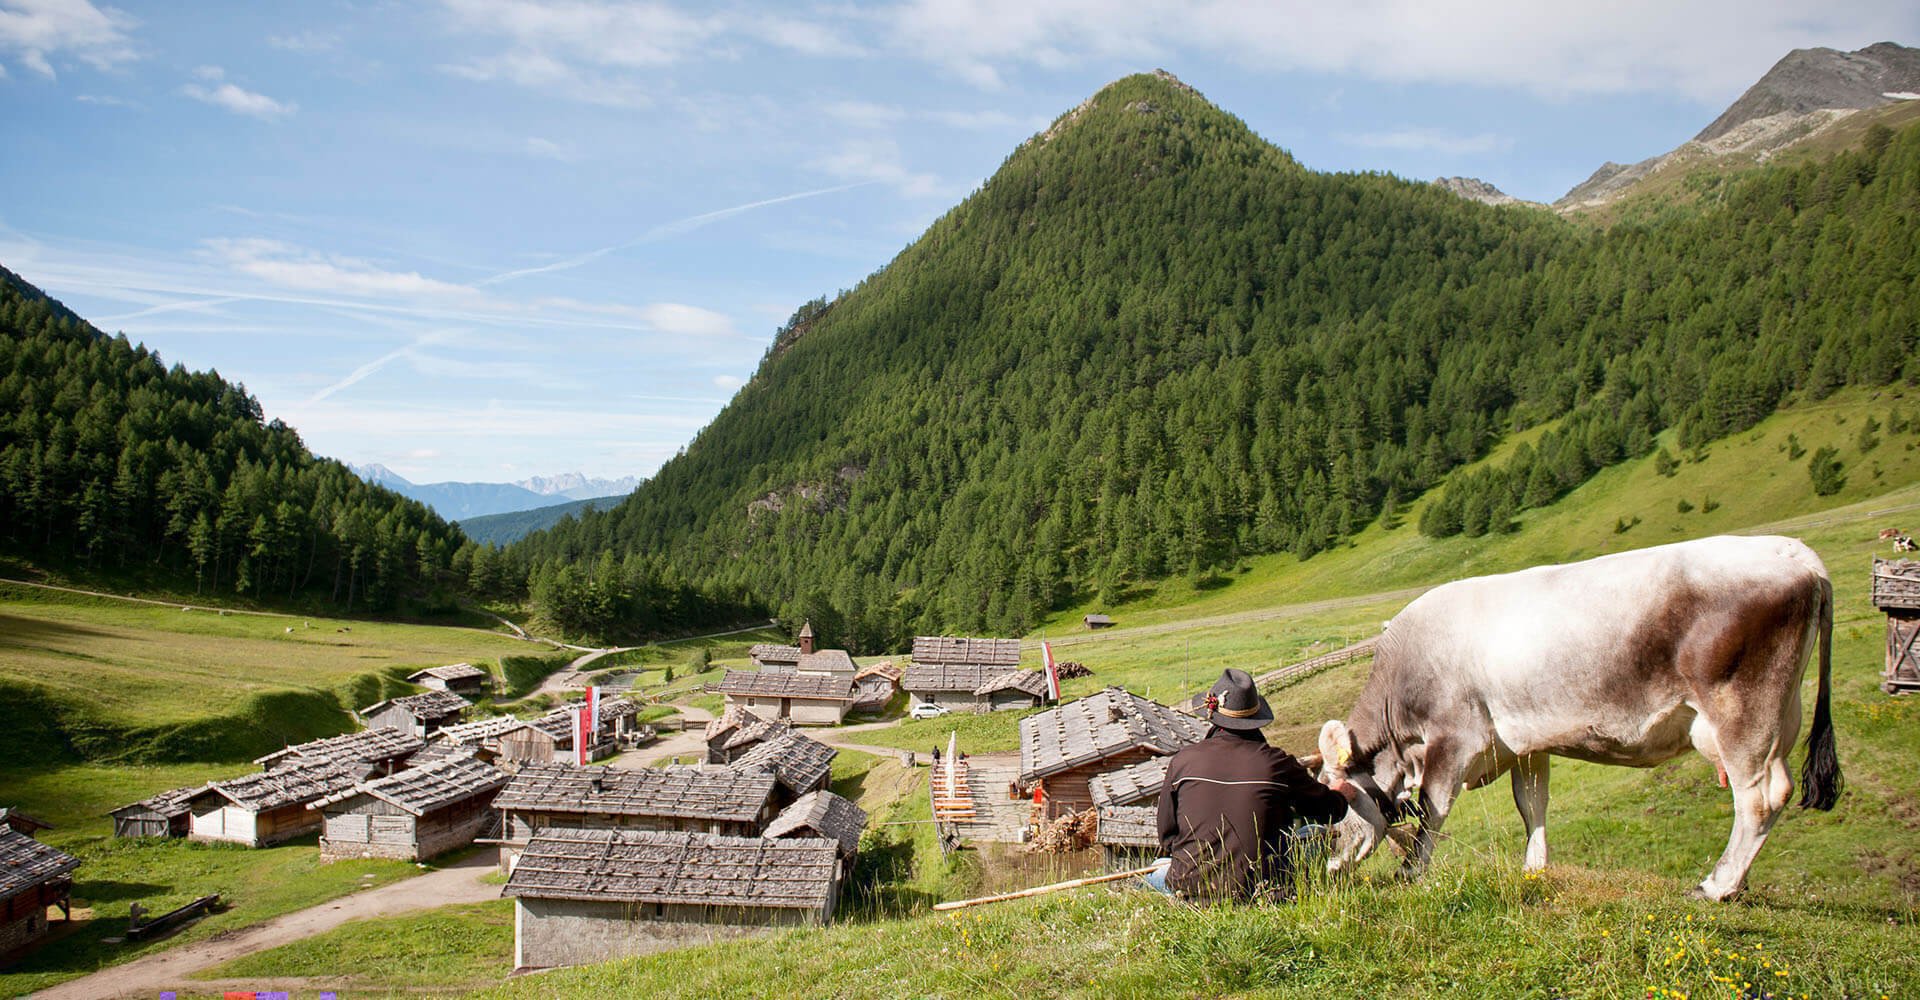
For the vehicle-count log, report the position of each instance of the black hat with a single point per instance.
(1234, 703)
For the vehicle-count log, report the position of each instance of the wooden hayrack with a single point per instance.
(1896, 591)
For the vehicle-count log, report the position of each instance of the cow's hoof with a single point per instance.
(1701, 892)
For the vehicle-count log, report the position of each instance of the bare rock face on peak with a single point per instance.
(1809, 80)
(1800, 97)
(1475, 189)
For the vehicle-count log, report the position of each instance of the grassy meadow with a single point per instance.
(1828, 912)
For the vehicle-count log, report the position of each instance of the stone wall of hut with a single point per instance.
(554, 932)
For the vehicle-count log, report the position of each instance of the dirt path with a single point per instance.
(145, 977)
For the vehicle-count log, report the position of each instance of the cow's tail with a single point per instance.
(1820, 782)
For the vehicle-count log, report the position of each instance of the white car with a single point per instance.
(929, 710)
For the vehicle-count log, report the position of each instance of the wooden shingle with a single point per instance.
(672, 792)
(799, 763)
(1002, 653)
(297, 783)
(1099, 726)
(427, 705)
(821, 814)
(1130, 785)
(1128, 826)
(420, 790)
(26, 864)
(761, 684)
(697, 869)
(933, 677)
(1031, 682)
(451, 673)
(374, 746)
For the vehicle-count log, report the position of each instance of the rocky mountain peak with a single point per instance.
(1808, 80)
(1475, 189)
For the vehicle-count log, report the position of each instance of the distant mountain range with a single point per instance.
(460, 501)
(505, 529)
(1803, 96)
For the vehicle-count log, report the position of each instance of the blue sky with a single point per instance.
(486, 239)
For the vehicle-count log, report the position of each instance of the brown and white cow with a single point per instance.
(1625, 659)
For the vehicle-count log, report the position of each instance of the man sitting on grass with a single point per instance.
(1230, 801)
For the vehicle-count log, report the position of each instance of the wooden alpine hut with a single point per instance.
(823, 815)
(1896, 591)
(708, 800)
(412, 815)
(1133, 785)
(799, 763)
(1064, 748)
(813, 699)
(588, 895)
(419, 714)
(270, 806)
(458, 678)
(1129, 836)
(33, 876)
(164, 815)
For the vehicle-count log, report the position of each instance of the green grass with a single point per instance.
(521, 674)
(442, 950)
(91, 678)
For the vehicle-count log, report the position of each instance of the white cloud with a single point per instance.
(547, 149)
(1547, 49)
(693, 321)
(289, 266)
(1429, 140)
(233, 97)
(728, 382)
(878, 160)
(305, 41)
(102, 100)
(37, 31)
(591, 52)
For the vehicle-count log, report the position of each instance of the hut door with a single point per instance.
(1903, 652)
(786, 707)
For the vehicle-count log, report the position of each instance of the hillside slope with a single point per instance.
(509, 527)
(1152, 345)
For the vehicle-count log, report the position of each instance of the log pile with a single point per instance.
(1072, 832)
(1070, 669)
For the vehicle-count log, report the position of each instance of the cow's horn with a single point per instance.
(1312, 761)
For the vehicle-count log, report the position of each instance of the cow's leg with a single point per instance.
(1444, 778)
(1530, 795)
(1760, 792)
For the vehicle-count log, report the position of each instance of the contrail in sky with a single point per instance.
(687, 224)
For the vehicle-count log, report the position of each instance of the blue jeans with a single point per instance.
(1157, 879)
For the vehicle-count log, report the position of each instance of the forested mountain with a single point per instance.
(110, 460)
(503, 529)
(1153, 343)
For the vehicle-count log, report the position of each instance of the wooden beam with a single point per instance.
(1044, 889)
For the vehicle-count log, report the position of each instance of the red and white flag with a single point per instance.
(1053, 671)
(582, 733)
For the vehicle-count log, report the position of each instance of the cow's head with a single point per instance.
(1385, 780)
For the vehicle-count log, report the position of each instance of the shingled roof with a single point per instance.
(959, 649)
(884, 668)
(450, 672)
(1031, 682)
(170, 803)
(476, 733)
(695, 869)
(12, 817)
(425, 705)
(740, 727)
(825, 661)
(822, 814)
(767, 652)
(294, 784)
(372, 745)
(26, 863)
(948, 676)
(1097, 727)
(679, 792)
(1129, 785)
(798, 762)
(762, 684)
(420, 790)
(610, 708)
(1128, 826)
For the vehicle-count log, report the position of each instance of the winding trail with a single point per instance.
(168, 970)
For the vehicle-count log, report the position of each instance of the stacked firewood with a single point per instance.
(1070, 669)
(1072, 832)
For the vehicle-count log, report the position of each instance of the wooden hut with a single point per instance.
(458, 678)
(384, 749)
(1015, 689)
(735, 731)
(875, 685)
(803, 699)
(717, 801)
(774, 658)
(948, 670)
(419, 714)
(800, 764)
(412, 815)
(1065, 747)
(1129, 836)
(1896, 591)
(270, 806)
(33, 877)
(20, 822)
(589, 895)
(164, 815)
(823, 815)
(1097, 621)
(1133, 785)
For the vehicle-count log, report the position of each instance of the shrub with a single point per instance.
(1826, 472)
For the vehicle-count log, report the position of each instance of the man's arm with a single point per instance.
(1312, 801)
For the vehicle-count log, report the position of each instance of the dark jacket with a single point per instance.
(1225, 812)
